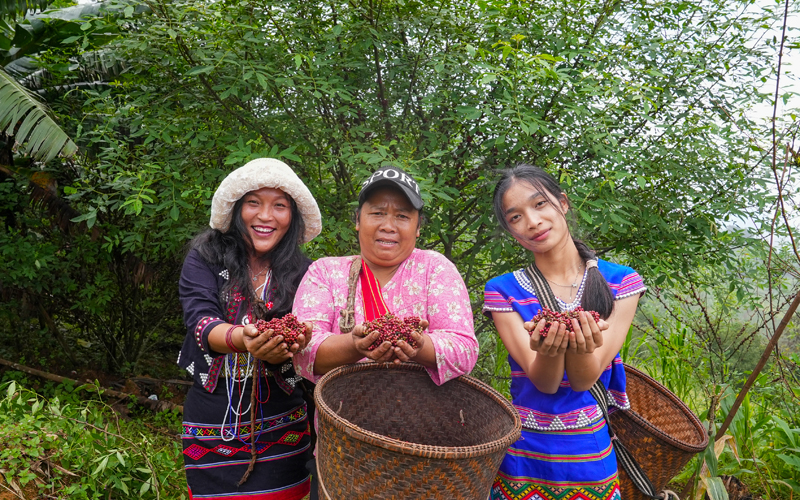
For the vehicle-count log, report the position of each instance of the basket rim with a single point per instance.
(643, 422)
(415, 449)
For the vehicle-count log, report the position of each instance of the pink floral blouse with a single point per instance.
(426, 285)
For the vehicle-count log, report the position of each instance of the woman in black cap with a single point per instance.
(393, 276)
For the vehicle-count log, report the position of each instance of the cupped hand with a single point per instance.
(363, 339)
(587, 334)
(304, 338)
(404, 351)
(552, 342)
(268, 347)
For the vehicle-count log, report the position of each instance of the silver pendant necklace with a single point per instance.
(572, 286)
(255, 276)
(574, 283)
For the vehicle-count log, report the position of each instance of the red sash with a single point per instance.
(374, 305)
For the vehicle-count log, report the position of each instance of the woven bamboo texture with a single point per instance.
(387, 431)
(659, 430)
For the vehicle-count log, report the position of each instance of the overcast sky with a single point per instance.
(790, 70)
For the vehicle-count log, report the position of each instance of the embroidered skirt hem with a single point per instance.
(509, 489)
(294, 492)
(216, 456)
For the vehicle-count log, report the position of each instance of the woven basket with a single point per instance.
(387, 431)
(659, 430)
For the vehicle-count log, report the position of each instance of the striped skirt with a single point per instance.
(568, 464)
(215, 465)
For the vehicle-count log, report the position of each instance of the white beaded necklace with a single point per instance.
(234, 372)
(263, 286)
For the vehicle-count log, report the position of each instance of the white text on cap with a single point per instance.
(392, 174)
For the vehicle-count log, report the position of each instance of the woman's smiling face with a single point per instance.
(267, 214)
(536, 219)
(388, 228)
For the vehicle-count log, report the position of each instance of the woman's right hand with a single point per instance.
(266, 346)
(363, 339)
(551, 343)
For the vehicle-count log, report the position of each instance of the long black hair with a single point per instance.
(597, 295)
(230, 250)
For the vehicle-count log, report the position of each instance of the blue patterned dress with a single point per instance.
(564, 452)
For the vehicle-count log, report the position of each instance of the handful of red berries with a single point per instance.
(288, 326)
(393, 329)
(565, 317)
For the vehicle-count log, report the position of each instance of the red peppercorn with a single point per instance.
(394, 329)
(565, 317)
(288, 326)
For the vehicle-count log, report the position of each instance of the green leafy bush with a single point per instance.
(71, 448)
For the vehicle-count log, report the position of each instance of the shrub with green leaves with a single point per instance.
(70, 448)
(622, 101)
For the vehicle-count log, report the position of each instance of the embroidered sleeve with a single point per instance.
(494, 301)
(314, 302)
(451, 325)
(202, 329)
(199, 297)
(632, 284)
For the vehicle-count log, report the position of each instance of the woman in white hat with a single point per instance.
(247, 266)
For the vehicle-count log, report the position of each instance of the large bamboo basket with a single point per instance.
(659, 430)
(387, 431)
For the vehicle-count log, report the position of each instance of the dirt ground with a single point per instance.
(15, 491)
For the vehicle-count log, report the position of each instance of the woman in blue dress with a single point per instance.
(564, 452)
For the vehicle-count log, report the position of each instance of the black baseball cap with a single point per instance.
(395, 177)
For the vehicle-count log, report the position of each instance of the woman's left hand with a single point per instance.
(404, 351)
(266, 346)
(587, 334)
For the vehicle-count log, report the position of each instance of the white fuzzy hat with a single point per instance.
(261, 173)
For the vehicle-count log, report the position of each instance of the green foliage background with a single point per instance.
(641, 109)
(630, 107)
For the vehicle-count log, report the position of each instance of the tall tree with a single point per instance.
(634, 106)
